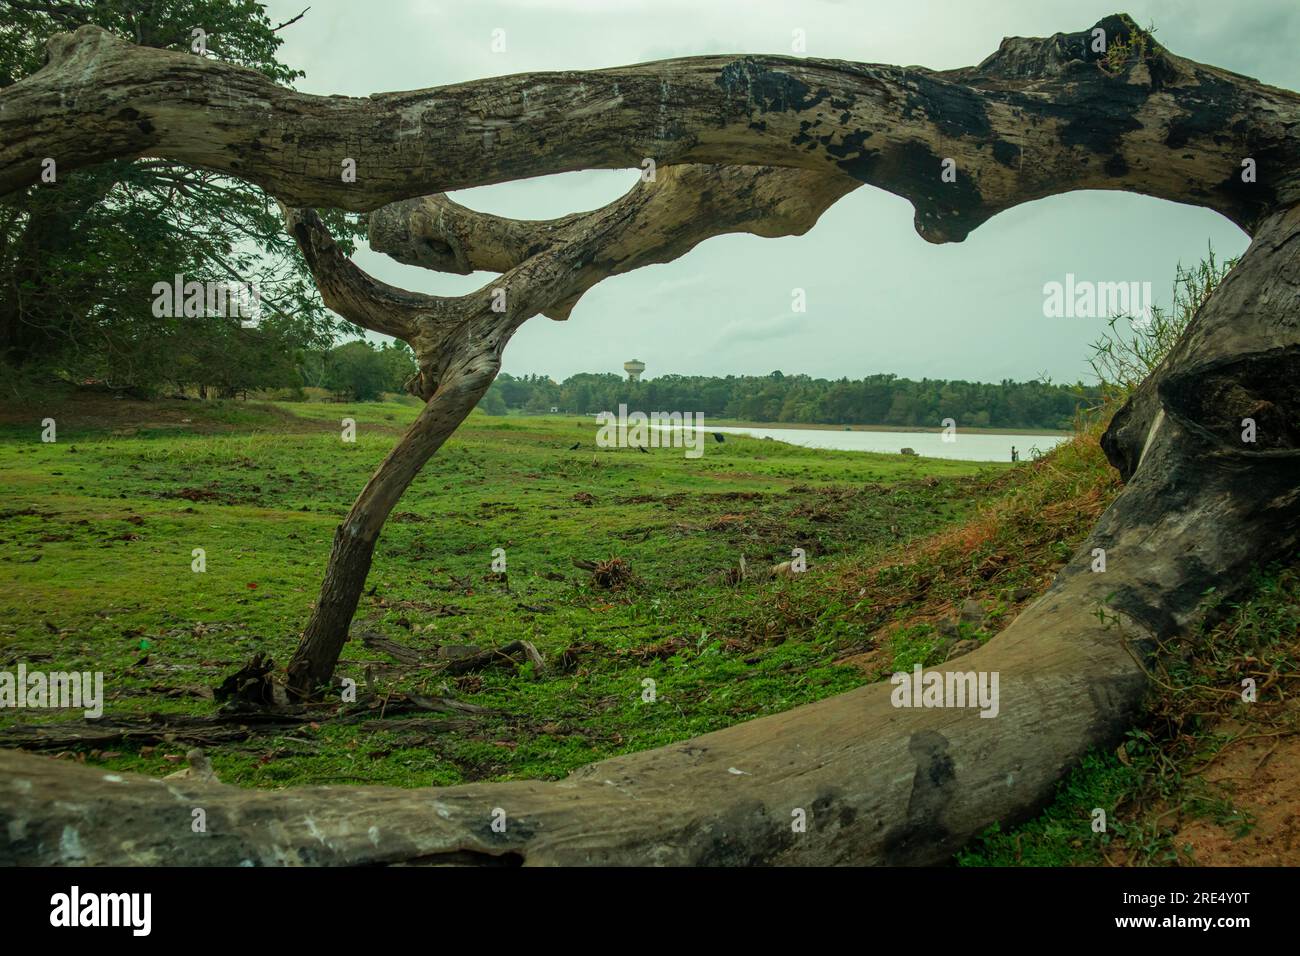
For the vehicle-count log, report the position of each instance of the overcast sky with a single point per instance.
(879, 298)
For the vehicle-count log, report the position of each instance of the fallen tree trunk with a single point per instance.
(877, 784)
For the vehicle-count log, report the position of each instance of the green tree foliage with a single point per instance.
(874, 400)
(79, 257)
(359, 371)
(1122, 359)
(493, 404)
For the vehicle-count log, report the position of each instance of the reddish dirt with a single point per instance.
(874, 663)
(1261, 776)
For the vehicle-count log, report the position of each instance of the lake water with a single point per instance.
(968, 446)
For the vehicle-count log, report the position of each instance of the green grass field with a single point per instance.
(100, 527)
(99, 530)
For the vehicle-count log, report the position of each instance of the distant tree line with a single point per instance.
(874, 400)
(232, 361)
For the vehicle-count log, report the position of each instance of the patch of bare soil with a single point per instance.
(1261, 776)
(96, 410)
(874, 663)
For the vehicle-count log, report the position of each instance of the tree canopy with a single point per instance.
(81, 251)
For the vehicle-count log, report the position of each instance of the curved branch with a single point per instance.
(435, 232)
(458, 341)
(1037, 118)
(351, 292)
(656, 221)
(878, 785)
(547, 266)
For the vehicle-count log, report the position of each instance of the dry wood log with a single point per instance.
(225, 726)
(398, 652)
(513, 654)
(1038, 117)
(877, 784)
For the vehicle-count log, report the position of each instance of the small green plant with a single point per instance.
(1122, 360)
(1120, 52)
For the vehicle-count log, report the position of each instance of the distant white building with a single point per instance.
(634, 369)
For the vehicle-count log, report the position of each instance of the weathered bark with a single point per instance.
(459, 344)
(763, 145)
(1038, 117)
(656, 221)
(459, 390)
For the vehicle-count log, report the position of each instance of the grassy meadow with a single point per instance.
(907, 557)
(100, 526)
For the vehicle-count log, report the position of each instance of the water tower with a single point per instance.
(634, 369)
